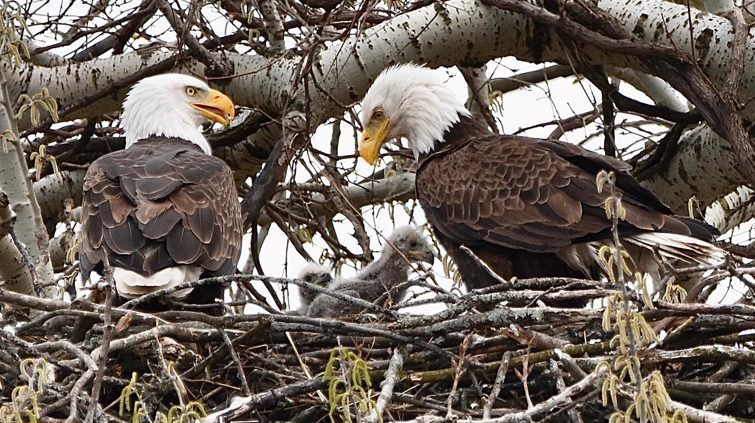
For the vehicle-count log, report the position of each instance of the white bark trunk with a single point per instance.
(443, 34)
(457, 31)
(703, 165)
(14, 181)
(13, 272)
(52, 190)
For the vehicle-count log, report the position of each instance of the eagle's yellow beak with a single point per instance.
(218, 107)
(373, 138)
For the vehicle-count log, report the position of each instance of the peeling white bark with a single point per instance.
(732, 210)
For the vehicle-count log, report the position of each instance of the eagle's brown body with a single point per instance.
(520, 203)
(158, 204)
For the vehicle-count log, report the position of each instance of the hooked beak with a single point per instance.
(218, 108)
(373, 138)
(426, 255)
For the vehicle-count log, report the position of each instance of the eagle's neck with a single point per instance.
(149, 122)
(464, 131)
(161, 144)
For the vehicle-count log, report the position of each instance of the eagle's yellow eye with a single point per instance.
(378, 114)
(191, 91)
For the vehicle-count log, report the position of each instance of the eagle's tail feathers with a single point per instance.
(681, 247)
(130, 284)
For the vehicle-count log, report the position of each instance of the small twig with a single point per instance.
(241, 406)
(500, 377)
(532, 338)
(579, 120)
(459, 369)
(107, 336)
(548, 405)
(220, 354)
(720, 402)
(609, 125)
(240, 367)
(662, 154)
(524, 79)
(55, 346)
(215, 67)
(571, 365)
(561, 387)
(523, 376)
(391, 377)
(75, 394)
(484, 265)
(613, 209)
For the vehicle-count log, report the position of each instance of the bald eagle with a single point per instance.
(164, 210)
(379, 279)
(525, 207)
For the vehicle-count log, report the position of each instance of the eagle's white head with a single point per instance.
(407, 101)
(173, 105)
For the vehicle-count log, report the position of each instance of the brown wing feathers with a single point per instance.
(536, 195)
(159, 204)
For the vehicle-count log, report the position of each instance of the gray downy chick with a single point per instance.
(315, 274)
(405, 246)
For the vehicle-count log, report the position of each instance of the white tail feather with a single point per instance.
(132, 285)
(680, 247)
(642, 248)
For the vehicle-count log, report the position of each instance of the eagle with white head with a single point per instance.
(526, 207)
(163, 210)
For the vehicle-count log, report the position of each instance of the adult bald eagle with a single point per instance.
(164, 210)
(526, 207)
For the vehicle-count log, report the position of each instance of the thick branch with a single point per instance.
(471, 33)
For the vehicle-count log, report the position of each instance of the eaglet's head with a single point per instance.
(315, 274)
(407, 101)
(410, 243)
(173, 105)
